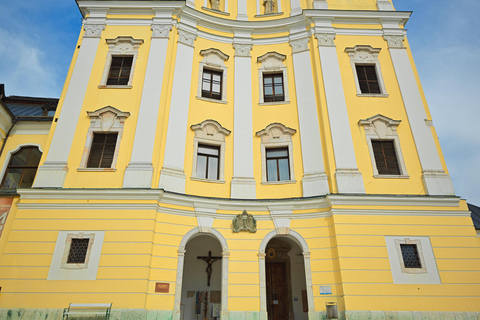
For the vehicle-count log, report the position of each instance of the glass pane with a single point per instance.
(268, 91)
(50, 113)
(216, 87)
(275, 153)
(125, 73)
(267, 80)
(214, 151)
(206, 86)
(283, 169)
(213, 168)
(278, 79)
(216, 77)
(20, 158)
(272, 170)
(127, 62)
(114, 72)
(206, 75)
(13, 178)
(201, 166)
(278, 90)
(116, 61)
(28, 177)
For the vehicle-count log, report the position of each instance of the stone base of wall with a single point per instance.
(140, 314)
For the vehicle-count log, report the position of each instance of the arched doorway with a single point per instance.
(285, 278)
(202, 268)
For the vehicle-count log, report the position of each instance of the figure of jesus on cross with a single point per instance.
(209, 260)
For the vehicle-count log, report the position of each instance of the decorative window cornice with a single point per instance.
(214, 53)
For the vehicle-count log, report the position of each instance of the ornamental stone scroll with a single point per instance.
(160, 31)
(242, 50)
(395, 42)
(325, 39)
(299, 45)
(93, 30)
(187, 38)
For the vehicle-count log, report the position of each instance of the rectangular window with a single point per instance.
(120, 68)
(212, 84)
(78, 250)
(273, 87)
(278, 167)
(102, 150)
(410, 256)
(385, 157)
(207, 162)
(367, 79)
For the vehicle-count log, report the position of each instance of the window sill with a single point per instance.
(103, 86)
(278, 182)
(207, 180)
(390, 176)
(216, 11)
(268, 15)
(212, 100)
(375, 95)
(273, 103)
(97, 169)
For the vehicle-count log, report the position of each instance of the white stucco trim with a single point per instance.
(380, 127)
(9, 156)
(428, 274)
(120, 46)
(366, 55)
(60, 270)
(213, 59)
(210, 132)
(272, 62)
(298, 239)
(180, 265)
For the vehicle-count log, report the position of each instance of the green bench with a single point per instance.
(88, 309)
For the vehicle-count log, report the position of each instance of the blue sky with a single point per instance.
(37, 40)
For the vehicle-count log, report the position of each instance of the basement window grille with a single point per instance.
(78, 251)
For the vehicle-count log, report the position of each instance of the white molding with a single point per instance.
(59, 270)
(384, 5)
(366, 55)
(320, 4)
(426, 275)
(380, 128)
(213, 59)
(31, 128)
(104, 120)
(272, 62)
(120, 46)
(210, 132)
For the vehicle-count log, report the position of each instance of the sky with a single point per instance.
(38, 38)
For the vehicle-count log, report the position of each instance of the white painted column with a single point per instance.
(436, 181)
(242, 10)
(263, 288)
(172, 176)
(139, 172)
(243, 183)
(320, 4)
(178, 285)
(309, 286)
(54, 170)
(295, 7)
(347, 176)
(314, 179)
(225, 315)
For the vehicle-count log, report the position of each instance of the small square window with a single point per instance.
(273, 87)
(102, 150)
(78, 251)
(278, 167)
(411, 259)
(367, 79)
(385, 157)
(212, 84)
(119, 74)
(208, 158)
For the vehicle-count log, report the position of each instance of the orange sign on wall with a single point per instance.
(5, 205)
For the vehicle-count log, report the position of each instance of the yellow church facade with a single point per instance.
(236, 160)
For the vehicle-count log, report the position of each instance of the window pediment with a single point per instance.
(272, 60)
(123, 44)
(107, 117)
(380, 125)
(276, 132)
(210, 129)
(214, 57)
(363, 53)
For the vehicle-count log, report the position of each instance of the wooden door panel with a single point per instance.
(277, 307)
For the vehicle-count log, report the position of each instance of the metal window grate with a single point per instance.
(78, 251)
(410, 256)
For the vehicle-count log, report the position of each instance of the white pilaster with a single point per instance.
(243, 183)
(172, 176)
(139, 172)
(435, 180)
(384, 5)
(348, 178)
(242, 10)
(320, 4)
(263, 287)
(295, 7)
(54, 170)
(314, 177)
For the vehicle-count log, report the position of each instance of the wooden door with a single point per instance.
(277, 304)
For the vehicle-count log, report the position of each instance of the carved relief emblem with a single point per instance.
(244, 221)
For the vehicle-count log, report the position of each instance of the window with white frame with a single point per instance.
(277, 154)
(76, 255)
(272, 79)
(212, 76)
(22, 167)
(366, 70)
(209, 151)
(103, 139)
(120, 62)
(384, 147)
(412, 260)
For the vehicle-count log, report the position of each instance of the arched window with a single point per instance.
(22, 168)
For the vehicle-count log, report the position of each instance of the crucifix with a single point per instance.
(209, 260)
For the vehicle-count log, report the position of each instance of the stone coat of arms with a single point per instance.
(244, 221)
